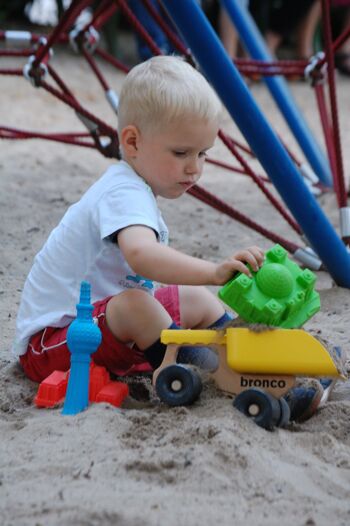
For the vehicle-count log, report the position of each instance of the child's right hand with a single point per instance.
(254, 256)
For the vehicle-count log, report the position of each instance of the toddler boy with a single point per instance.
(115, 238)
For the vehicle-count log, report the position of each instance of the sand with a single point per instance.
(146, 464)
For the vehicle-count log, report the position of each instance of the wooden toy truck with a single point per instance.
(258, 367)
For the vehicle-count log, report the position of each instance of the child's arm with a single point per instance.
(161, 263)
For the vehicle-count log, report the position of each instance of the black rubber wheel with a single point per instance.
(259, 405)
(285, 413)
(178, 385)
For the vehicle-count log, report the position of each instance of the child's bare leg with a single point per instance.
(135, 316)
(199, 307)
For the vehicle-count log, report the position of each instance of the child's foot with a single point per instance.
(202, 357)
(304, 401)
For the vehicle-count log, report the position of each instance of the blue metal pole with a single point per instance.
(226, 80)
(257, 48)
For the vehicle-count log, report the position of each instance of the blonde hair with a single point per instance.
(162, 90)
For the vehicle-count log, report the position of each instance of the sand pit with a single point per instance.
(146, 464)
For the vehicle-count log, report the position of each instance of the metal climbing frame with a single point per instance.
(223, 75)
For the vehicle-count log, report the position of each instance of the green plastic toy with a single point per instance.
(279, 294)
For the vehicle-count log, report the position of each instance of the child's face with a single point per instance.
(171, 160)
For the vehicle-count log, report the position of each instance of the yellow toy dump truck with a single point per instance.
(258, 367)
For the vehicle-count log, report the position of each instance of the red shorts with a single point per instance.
(47, 350)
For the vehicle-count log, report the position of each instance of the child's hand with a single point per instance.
(237, 263)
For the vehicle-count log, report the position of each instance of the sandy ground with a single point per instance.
(146, 464)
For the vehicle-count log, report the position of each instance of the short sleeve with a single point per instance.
(125, 205)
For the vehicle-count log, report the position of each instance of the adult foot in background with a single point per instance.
(342, 62)
(342, 56)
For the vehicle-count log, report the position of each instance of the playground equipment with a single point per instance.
(203, 46)
(257, 48)
(216, 65)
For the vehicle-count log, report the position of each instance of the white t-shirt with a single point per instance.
(81, 248)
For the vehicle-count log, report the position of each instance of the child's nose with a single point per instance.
(193, 166)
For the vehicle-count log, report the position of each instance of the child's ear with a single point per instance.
(129, 138)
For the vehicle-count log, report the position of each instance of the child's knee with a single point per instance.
(135, 315)
(199, 307)
(130, 301)
(198, 297)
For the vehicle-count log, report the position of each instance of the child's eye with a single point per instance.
(203, 154)
(179, 153)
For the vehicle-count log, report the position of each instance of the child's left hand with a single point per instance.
(254, 256)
